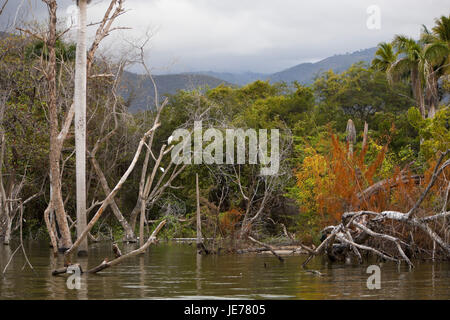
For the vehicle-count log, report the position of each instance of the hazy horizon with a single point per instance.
(245, 36)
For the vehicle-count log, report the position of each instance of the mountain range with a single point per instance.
(138, 90)
(304, 73)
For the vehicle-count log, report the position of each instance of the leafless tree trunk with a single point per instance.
(80, 123)
(110, 196)
(200, 244)
(351, 137)
(365, 135)
(56, 139)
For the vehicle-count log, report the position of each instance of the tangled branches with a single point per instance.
(389, 235)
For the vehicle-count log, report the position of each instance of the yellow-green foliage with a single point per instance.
(434, 132)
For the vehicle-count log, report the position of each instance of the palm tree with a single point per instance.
(412, 62)
(439, 39)
(442, 28)
(442, 33)
(418, 59)
(80, 123)
(384, 57)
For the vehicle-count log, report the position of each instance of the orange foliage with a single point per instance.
(407, 193)
(339, 181)
(352, 176)
(229, 220)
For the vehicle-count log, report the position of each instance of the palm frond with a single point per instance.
(442, 28)
(399, 68)
(384, 57)
(436, 52)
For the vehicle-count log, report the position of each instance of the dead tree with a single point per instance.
(58, 136)
(111, 195)
(79, 101)
(351, 137)
(365, 135)
(201, 249)
(358, 228)
(103, 139)
(153, 183)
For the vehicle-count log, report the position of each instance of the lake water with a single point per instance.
(174, 271)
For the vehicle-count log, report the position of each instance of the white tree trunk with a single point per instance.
(80, 124)
(8, 226)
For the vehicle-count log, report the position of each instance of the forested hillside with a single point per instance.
(139, 93)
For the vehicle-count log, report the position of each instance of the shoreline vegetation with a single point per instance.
(364, 155)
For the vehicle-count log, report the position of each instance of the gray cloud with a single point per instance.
(256, 35)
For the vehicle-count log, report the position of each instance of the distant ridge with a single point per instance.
(304, 73)
(240, 79)
(139, 93)
(138, 90)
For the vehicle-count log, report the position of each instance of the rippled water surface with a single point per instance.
(174, 271)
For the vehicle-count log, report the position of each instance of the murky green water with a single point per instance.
(174, 271)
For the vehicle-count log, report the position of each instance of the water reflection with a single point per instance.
(199, 272)
(175, 271)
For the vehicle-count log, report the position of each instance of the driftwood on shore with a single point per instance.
(356, 229)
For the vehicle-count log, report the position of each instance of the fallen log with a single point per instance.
(266, 246)
(321, 247)
(383, 184)
(107, 264)
(363, 247)
(59, 271)
(386, 237)
(66, 269)
(119, 257)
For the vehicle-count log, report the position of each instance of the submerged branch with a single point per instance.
(266, 246)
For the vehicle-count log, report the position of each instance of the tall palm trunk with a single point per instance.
(432, 93)
(80, 124)
(418, 91)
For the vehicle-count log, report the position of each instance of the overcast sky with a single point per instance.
(250, 35)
